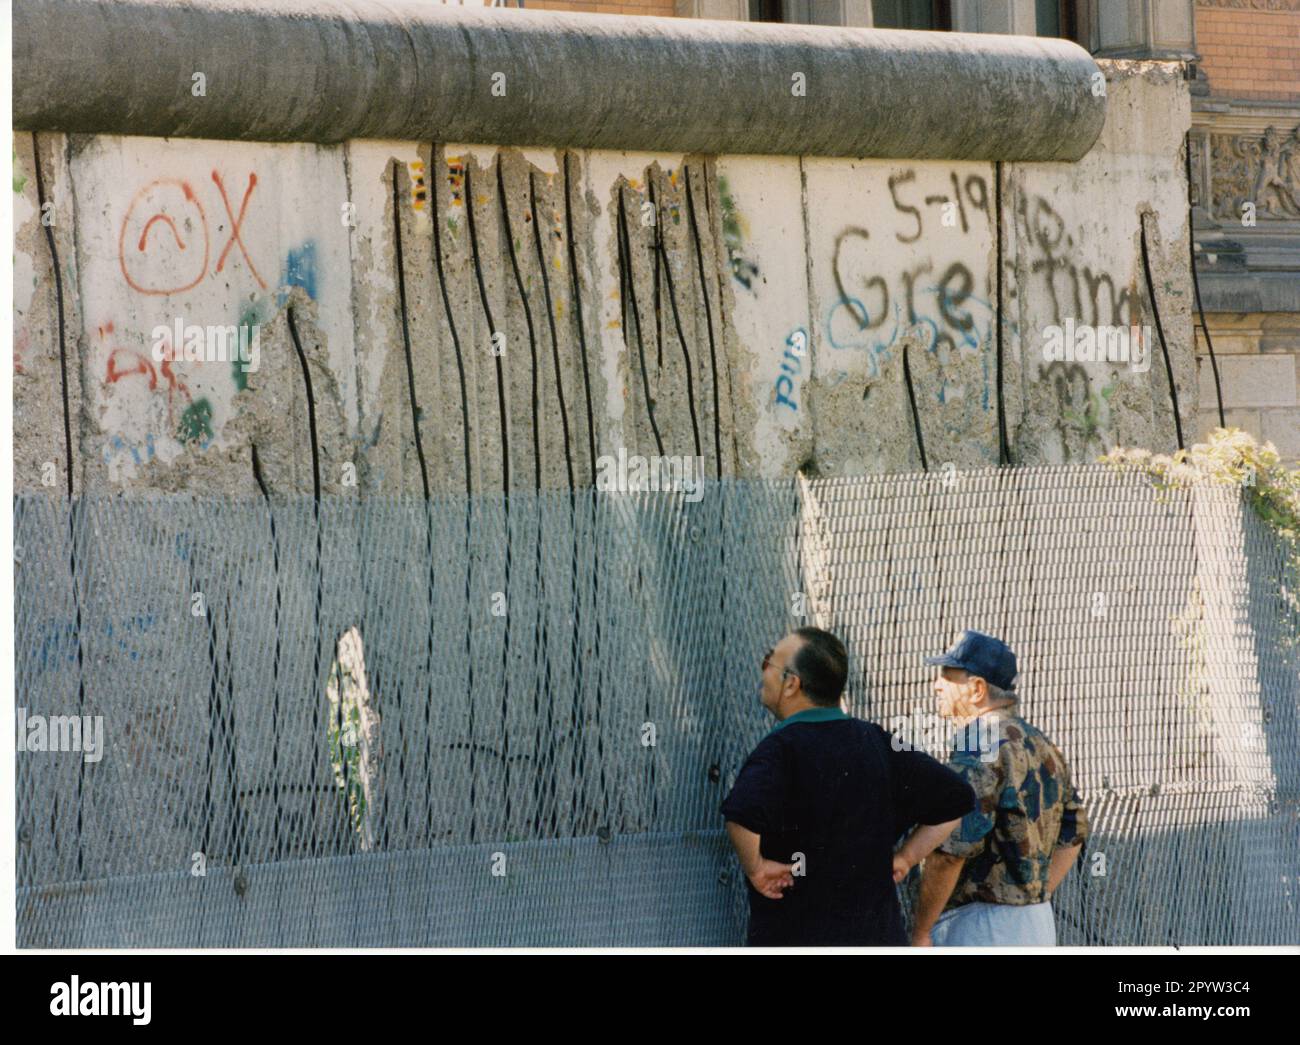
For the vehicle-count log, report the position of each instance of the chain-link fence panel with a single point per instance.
(511, 720)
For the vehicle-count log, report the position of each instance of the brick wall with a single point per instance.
(1259, 370)
(662, 8)
(1248, 52)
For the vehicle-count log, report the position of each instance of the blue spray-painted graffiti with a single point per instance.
(117, 445)
(791, 366)
(57, 639)
(300, 270)
(850, 327)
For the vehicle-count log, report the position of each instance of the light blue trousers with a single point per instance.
(996, 925)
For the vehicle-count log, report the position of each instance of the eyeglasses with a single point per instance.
(767, 660)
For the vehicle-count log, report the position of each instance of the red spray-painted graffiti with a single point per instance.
(22, 343)
(162, 194)
(127, 362)
(236, 223)
(174, 203)
(123, 362)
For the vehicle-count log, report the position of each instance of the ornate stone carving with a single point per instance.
(1259, 169)
(1199, 182)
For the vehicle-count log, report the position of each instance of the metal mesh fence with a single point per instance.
(510, 721)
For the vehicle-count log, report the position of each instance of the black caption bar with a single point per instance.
(337, 992)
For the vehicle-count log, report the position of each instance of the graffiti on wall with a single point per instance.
(165, 244)
(796, 348)
(939, 299)
(193, 254)
(1069, 282)
(168, 244)
(1058, 265)
(902, 254)
(918, 270)
(734, 231)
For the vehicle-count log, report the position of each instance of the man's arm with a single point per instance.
(1062, 860)
(752, 808)
(1075, 829)
(942, 870)
(920, 844)
(926, 791)
(938, 880)
(767, 876)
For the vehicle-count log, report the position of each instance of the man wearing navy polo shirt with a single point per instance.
(818, 806)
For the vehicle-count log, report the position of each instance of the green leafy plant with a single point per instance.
(1231, 457)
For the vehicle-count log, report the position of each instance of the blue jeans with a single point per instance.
(996, 925)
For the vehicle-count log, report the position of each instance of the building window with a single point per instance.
(912, 14)
(1062, 18)
(766, 11)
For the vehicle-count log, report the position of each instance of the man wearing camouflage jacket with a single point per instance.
(990, 884)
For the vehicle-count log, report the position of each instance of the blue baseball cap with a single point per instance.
(983, 655)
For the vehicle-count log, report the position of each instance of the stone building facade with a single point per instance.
(1246, 190)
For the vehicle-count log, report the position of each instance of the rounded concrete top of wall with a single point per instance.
(332, 70)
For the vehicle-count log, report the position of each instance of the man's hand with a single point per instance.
(921, 938)
(767, 876)
(901, 866)
(771, 878)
